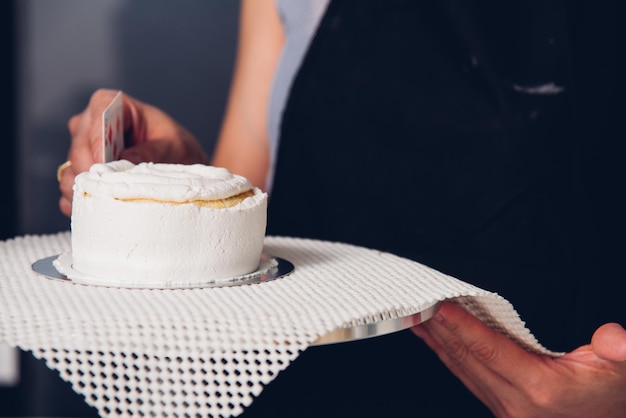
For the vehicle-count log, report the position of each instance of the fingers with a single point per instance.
(489, 364)
(513, 382)
(81, 156)
(86, 131)
(149, 133)
(480, 388)
(155, 151)
(470, 347)
(65, 205)
(609, 342)
(82, 153)
(66, 184)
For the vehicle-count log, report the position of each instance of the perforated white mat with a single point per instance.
(209, 352)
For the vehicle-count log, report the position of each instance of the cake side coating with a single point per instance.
(154, 224)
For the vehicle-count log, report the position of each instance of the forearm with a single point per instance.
(242, 145)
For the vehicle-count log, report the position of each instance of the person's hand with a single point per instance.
(149, 134)
(588, 382)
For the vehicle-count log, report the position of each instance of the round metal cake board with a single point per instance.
(270, 268)
(378, 328)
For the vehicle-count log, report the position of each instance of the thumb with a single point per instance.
(609, 342)
(148, 151)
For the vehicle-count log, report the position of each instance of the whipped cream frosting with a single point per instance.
(159, 181)
(127, 232)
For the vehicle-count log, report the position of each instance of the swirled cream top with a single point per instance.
(124, 180)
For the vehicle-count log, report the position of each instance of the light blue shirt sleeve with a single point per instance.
(300, 19)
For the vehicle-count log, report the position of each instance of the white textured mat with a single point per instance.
(201, 352)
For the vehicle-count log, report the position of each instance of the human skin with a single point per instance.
(587, 382)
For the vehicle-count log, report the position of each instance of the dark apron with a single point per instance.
(438, 131)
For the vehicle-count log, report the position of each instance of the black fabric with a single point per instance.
(443, 132)
(412, 128)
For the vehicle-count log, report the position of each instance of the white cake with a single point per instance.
(164, 225)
